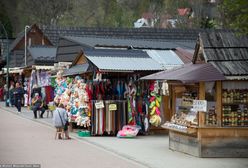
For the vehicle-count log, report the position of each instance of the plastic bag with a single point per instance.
(128, 131)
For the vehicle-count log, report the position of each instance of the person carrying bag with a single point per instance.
(60, 120)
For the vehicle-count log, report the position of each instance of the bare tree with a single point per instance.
(44, 11)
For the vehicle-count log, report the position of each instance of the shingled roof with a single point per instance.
(41, 55)
(53, 33)
(227, 52)
(125, 43)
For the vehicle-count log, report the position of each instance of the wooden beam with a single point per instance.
(201, 97)
(218, 106)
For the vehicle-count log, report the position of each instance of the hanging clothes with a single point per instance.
(49, 94)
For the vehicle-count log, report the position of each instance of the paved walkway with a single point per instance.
(147, 151)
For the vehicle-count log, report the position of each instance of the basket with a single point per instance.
(83, 133)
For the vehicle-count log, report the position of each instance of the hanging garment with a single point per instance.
(25, 100)
(101, 121)
(43, 78)
(49, 94)
(43, 93)
(38, 78)
(108, 116)
(93, 119)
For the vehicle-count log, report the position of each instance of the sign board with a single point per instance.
(112, 107)
(200, 105)
(99, 105)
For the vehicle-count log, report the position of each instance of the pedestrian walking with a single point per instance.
(11, 94)
(60, 120)
(37, 104)
(18, 95)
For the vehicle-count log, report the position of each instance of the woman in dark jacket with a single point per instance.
(18, 95)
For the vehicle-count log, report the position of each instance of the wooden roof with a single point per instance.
(226, 51)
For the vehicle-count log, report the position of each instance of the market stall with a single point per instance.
(116, 96)
(209, 100)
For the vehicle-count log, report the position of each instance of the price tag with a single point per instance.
(112, 107)
(99, 105)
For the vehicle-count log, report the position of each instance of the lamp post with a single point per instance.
(25, 49)
(7, 62)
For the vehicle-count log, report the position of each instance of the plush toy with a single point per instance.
(165, 88)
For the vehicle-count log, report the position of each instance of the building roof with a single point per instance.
(43, 52)
(53, 33)
(188, 73)
(223, 39)
(42, 55)
(3, 47)
(168, 59)
(185, 55)
(125, 43)
(76, 69)
(16, 59)
(122, 60)
(21, 35)
(227, 52)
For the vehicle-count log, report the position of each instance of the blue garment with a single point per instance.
(59, 117)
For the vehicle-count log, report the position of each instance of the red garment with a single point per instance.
(1, 93)
(49, 94)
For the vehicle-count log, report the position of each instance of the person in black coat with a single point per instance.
(18, 95)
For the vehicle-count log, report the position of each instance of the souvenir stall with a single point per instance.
(119, 100)
(114, 95)
(209, 112)
(110, 101)
(38, 81)
(76, 95)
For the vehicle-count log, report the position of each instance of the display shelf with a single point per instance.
(232, 104)
(183, 129)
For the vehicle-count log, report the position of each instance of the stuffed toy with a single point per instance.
(165, 88)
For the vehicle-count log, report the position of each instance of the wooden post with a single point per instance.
(201, 97)
(167, 113)
(218, 106)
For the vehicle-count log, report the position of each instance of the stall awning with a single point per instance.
(45, 67)
(76, 69)
(125, 64)
(13, 70)
(189, 73)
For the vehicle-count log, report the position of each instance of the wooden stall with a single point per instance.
(218, 132)
(209, 98)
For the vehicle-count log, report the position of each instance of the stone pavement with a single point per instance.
(147, 151)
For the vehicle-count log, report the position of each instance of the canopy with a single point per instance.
(188, 73)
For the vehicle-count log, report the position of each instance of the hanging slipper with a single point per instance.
(152, 104)
(152, 87)
(153, 110)
(157, 103)
(152, 99)
(153, 94)
(158, 111)
(159, 98)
